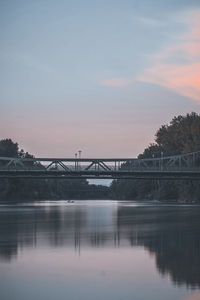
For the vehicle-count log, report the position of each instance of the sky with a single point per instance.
(97, 76)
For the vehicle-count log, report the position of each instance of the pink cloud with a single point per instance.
(185, 80)
(117, 82)
(176, 67)
(183, 77)
(193, 297)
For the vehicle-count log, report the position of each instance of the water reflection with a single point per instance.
(170, 233)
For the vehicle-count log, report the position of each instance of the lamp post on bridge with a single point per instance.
(76, 161)
(161, 164)
(153, 156)
(79, 156)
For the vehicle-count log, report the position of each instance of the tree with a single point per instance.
(8, 148)
(182, 135)
(152, 151)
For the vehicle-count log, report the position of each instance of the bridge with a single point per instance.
(183, 167)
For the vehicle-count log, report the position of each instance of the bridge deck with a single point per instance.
(184, 166)
(179, 175)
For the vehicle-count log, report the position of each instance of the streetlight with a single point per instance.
(153, 156)
(75, 161)
(161, 160)
(79, 156)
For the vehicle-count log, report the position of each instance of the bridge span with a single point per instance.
(182, 167)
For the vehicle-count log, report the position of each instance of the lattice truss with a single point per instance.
(187, 161)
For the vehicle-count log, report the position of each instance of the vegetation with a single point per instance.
(17, 189)
(182, 135)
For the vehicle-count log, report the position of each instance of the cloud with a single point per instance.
(185, 80)
(149, 21)
(177, 67)
(193, 297)
(117, 82)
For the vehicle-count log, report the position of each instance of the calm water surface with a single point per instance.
(95, 250)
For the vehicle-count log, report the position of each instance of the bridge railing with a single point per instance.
(184, 162)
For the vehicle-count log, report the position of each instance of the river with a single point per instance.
(95, 250)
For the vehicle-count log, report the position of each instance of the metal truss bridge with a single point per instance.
(185, 166)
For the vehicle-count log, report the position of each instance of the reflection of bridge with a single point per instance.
(184, 166)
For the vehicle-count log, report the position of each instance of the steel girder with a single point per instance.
(111, 167)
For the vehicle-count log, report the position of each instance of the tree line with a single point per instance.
(181, 135)
(18, 189)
